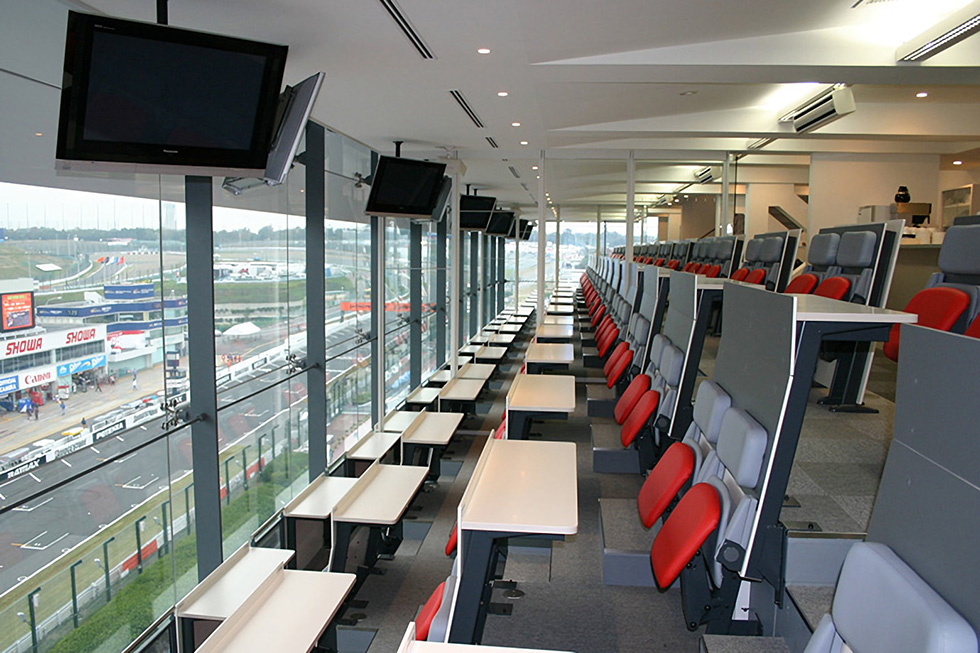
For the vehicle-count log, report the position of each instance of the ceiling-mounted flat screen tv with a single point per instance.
(443, 199)
(140, 97)
(526, 228)
(475, 211)
(500, 223)
(405, 188)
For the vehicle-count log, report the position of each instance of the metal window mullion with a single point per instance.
(316, 332)
(474, 283)
(441, 316)
(415, 304)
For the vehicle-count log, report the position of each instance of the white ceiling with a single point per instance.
(589, 80)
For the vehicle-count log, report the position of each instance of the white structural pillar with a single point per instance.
(598, 230)
(722, 215)
(542, 244)
(557, 243)
(379, 320)
(630, 203)
(454, 314)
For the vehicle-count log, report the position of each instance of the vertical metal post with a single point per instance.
(245, 467)
(316, 331)
(474, 313)
(377, 306)
(105, 567)
(598, 231)
(139, 544)
(501, 276)
(203, 391)
(442, 230)
(542, 243)
(455, 270)
(31, 604)
(557, 245)
(630, 203)
(487, 264)
(187, 508)
(415, 304)
(166, 539)
(463, 296)
(227, 485)
(74, 593)
(517, 268)
(722, 214)
(258, 454)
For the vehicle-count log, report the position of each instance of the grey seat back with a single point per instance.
(770, 258)
(856, 258)
(959, 265)
(821, 257)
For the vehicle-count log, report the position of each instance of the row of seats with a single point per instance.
(840, 266)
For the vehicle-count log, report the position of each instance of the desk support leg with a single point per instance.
(338, 552)
(518, 424)
(471, 612)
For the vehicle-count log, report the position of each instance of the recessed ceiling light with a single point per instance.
(523, 142)
(515, 124)
(534, 167)
(689, 93)
(483, 51)
(922, 94)
(39, 133)
(538, 177)
(957, 163)
(502, 93)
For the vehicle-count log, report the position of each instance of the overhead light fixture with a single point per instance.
(523, 142)
(515, 124)
(944, 34)
(957, 163)
(823, 108)
(534, 167)
(502, 93)
(760, 143)
(538, 177)
(688, 93)
(483, 51)
(921, 94)
(39, 133)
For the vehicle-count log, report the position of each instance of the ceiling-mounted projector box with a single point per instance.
(838, 102)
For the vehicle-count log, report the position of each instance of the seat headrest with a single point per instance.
(742, 446)
(657, 350)
(752, 249)
(710, 406)
(723, 248)
(823, 249)
(959, 251)
(671, 365)
(881, 604)
(856, 249)
(772, 249)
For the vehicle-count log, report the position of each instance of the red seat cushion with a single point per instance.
(613, 335)
(691, 267)
(693, 519)
(658, 262)
(937, 308)
(673, 264)
(711, 271)
(619, 367)
(424, 621)
(740, 274)
(638, 417)
(616, 354)
(451, 543)
(757, 276)
(833, 287)
(664, 481)
(802, 285)
(974, 329)
(633, 392)
(598, 315)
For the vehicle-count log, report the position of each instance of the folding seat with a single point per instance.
(711, 270)
(770, 260)
(882, 604)
(659, 261)
(856, 257)
(423, 622)
(802, 285)
(959, 265)
(757, 276)
(821, 255)
(833, 288)
(937, 308)
(739, 274)
(673, 263)
(973, 330)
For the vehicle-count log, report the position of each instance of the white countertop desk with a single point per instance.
(550, 396)
(429, 438)
(554, 332)
(422, 396)
(558, 319)
(480, 339)
(410, 645)
(398, 420)
(224, 590)
(441, 377)
(288, 612)
(541, 356)
(562, 299)
(510, 328)
(502, 339)
(560, 309)
(460, 389)
(469, 349)
(487, 353)
(479, 371)
(519, 488)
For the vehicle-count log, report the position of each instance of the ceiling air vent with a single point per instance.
(407, 29)
(492, 142)
(513, 171)
(465, 106)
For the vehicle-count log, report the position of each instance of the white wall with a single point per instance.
(760, 197)
(840, 184)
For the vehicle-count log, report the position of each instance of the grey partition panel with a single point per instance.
(682, 310)
(929, 497)
(756, 354)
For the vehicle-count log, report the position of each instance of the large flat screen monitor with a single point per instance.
(405, 188)
(141, 97)
(16, 311)
(500, 223)
(475, 211)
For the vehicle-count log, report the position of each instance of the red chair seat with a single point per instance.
(937, 308)
(757, 276)
(802, 285)
(451, 543)
(619, 367)
(974, 329)
(633, 392)
(424, 621)
(645, 407)
(608, 341)
(833, 287)
(740, 274)
(711, 271)
(664, 481)
(693, 519)
(618, 352)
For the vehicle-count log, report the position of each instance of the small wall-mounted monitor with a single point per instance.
(442, 200)
(501, 223)
(16, 311)
(521, 229)
(475, 211)
(405, 188)
(295, 106)
(139, 97)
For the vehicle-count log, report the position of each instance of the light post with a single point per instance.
(32, 602)
(139, 546)
(187, 506)
(74, 594)
(105, 563)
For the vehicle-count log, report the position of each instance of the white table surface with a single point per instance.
(558, 319)
(490, 353)
(461, 389)
(289, 613)
(562, 299)
(493, 328)
(399, 420)
(525, 487)
(814, 308)
(442, 376)
(517, 319)
(435, 429)
(374, 445)
(381, 495)
(547, 352)
(481, 371)
(480, 339)
(469, 349)
(511, 328)
(463, 360)
(410, 645)
(560, 309)
(502, 339)
(542, 392)
(525, 311)
(422, 396)
(228, 586)
(555, 331)
(319, 499)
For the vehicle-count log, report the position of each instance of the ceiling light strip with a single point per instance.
(964, 25)
(465, 106)
(514, 172)
(492, 142)
(407, 29)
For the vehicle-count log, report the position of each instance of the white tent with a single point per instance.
(242, 329)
